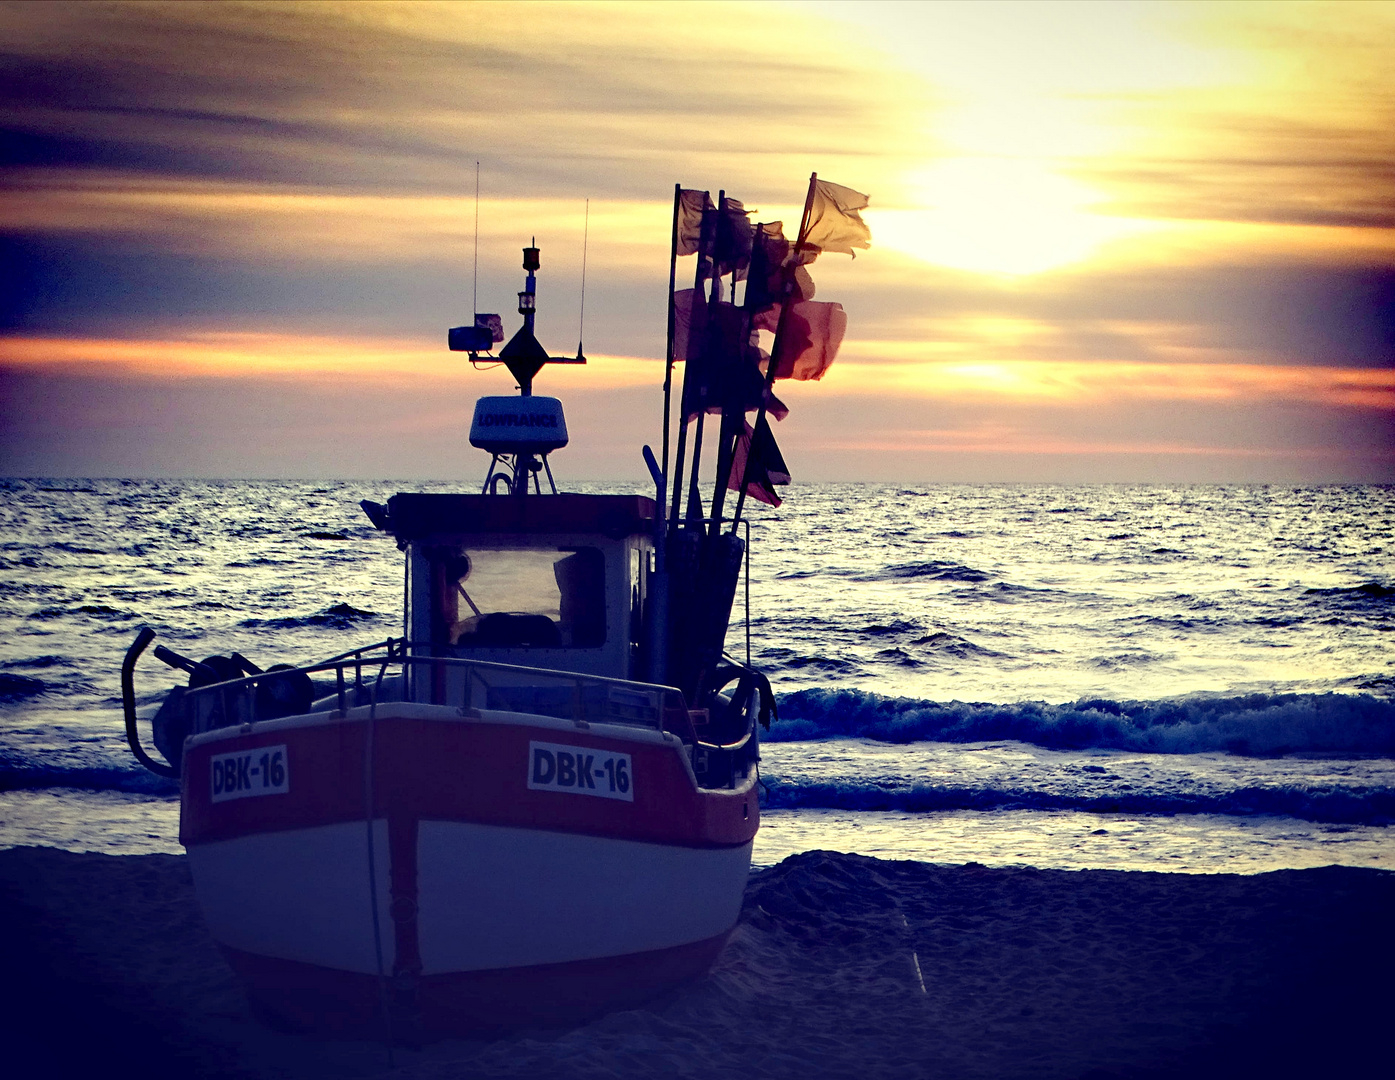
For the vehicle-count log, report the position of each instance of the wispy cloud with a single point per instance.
(1161, 209)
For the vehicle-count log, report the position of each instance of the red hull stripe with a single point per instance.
(306, 997)
(457, 770)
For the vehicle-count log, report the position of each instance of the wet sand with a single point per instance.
(842, 966)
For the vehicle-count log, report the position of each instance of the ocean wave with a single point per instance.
(1257, 724)
(75, 549)
(833, 664)
(1364, 593)
(896, 626)
(339, 616)
(13, 687)
(1328, 803)
(936, 571)
(19, 773)
(99, 610)
(45, 661)
(948, 644)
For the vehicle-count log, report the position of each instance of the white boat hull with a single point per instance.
(462, 906)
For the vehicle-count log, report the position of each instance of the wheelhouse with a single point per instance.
(556, 583)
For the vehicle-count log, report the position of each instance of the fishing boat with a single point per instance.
(538, 802)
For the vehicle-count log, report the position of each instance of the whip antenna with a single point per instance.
(475, 279)
(585, 237)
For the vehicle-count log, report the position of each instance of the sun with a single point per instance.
(999, 215)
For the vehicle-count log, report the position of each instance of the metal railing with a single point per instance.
(480, 684)
(361, 679)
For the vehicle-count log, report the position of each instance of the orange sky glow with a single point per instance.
(1137, 241)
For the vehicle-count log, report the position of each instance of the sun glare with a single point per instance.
(1034, 107)
(998, 215)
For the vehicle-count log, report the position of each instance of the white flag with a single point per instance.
(834, 221)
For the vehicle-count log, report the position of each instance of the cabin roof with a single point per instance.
(417, 516)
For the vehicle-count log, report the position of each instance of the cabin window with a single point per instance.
(503, 598)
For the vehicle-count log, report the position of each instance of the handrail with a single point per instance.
(229, 697)
(399, 652)
(457, 661)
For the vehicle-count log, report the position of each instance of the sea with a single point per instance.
(1187, 678)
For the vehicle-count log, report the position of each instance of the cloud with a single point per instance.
(1164, 210)
(104, 418)
(899, 436)
(99, 420)
(377, 99)
(367, 363)
(1302, 132)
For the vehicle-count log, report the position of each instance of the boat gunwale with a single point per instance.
(417, 710)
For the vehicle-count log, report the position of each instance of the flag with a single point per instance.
(809, 342)
(768, 466)
(834, 221)
(776, 273)
(723, 369)
(691, 205)
(493, 324)
(734, 237)
(726, 372)
(685, 340)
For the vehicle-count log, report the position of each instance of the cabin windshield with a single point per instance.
(511, 597)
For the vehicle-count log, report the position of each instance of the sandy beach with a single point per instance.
(841, 966)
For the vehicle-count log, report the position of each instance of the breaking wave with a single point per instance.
(1256, 724)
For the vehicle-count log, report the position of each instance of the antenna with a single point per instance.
(475, 280)
(585, 237)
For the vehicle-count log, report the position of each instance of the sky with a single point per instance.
(1110, 242)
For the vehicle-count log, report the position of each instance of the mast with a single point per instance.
(520, 432)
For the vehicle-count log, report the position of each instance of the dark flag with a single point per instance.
(691, 205)
(768, 466)
(725, 369)
(734, 235)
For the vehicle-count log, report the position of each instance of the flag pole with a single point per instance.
(774, 356)
(734, 412)
(698, 280)
(694, 491)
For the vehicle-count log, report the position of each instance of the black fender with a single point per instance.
(748, 682)
(283, 691)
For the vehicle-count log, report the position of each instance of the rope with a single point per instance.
(372, 860)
